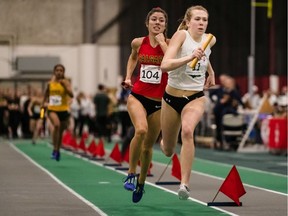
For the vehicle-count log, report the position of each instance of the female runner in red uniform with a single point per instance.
(144, 102)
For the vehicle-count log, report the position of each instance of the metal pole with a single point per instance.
(251, 58)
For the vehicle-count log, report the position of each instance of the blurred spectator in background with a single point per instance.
(101, 101)
(91, 115)
(252, 101)
(75, 110)
(34, 107)
(14, 114)
(272, 97)
(112, 117)
(227, 99)
(281, 104)
(124, 117)
(84, 111)
(25, 98)
(4, 114)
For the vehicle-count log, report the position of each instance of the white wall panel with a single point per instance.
(108, 65)
(5, 61)
(87, 64)
(87, 73)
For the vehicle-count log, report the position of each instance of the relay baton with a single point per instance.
(42, 112)
(204, 46)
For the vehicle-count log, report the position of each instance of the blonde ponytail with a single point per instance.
(188, 16)
(182, 25)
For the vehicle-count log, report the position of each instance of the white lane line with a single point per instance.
(244, 168)
(170, 191)
(219, 178)
(98, 210)
(147, 182)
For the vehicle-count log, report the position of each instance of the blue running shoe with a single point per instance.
(129, 182)
(53, 155)
(57, 156)
(138, 192)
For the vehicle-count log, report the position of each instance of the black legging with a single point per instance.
(83, 119)
(102, 122)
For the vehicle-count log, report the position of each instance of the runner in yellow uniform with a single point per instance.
(58, 94)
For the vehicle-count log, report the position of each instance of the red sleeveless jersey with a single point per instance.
(151, 81)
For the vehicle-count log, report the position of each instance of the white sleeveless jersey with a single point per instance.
(185, 77)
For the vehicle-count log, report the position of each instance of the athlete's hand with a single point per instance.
(63, 82)
(210, 81)
(160, 38)
(198, 53)
(53, 78)
(127, 84)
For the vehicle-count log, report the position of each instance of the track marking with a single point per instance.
(110, 168)
(147, 182)
(152, 184)
(220, 178)
(98, 210)
(244, 168)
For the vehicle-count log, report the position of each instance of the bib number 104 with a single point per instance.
(150, 74)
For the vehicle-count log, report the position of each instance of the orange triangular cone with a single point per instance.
(82, 145)
(116, 154)
(92, 147)
(85, 135)
(73, 143)
(100, 150)
(149, 170)
(126, 155)
(232, 186)
(66, 137)
(176, 168)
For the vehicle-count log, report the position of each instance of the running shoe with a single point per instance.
(138, 192)
(129, 182)
(183, 192)
(57, 156)
(53, 155)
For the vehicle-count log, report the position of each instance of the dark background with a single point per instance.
(229, 21)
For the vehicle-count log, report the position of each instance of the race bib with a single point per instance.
(37, 109)
(150, 74)
(55, 100)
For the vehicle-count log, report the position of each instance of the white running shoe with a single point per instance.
(183, 192)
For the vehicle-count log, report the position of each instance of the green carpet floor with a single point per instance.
(104, 187)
